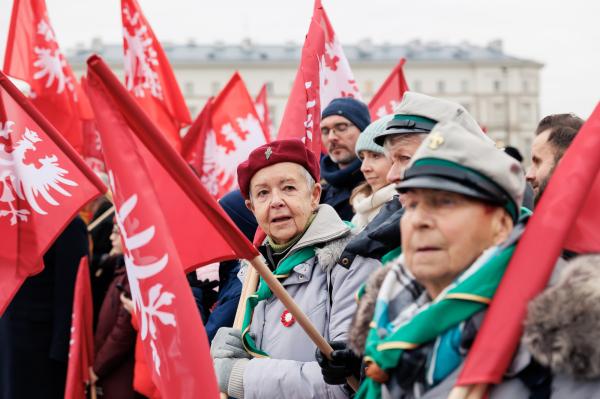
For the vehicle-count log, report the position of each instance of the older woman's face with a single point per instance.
(281, 200)
(443, 233)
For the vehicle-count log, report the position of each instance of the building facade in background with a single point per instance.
(501, 91)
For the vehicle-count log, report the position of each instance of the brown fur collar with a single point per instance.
(562, 329)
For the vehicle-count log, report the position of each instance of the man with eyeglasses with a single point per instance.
(341, 123)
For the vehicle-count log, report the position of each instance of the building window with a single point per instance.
(270, 88)
(464, 86)
(189, 89)
(525, 112)
(497, 86)
(215, 87)
(498, 115)
(416, 86)
(441, 86)
(525, 86)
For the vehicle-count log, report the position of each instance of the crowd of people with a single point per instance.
(372, 241)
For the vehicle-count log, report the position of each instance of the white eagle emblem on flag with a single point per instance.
(50, 61)
(141, 268)
(22, 180)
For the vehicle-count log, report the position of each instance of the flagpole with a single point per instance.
(298, 314)
(248, 288)
(101, 218)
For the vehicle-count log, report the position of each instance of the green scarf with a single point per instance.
(460, 301)
(264, 292)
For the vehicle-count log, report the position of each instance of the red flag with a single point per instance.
(566, 216)
(91, 150)
(324, 74)
(193, 148)
(168, 223)
(149, 76)
(43, 183)
(262, 109)
(389, 94)
(236, 131)
(33, 55)
(81, 350)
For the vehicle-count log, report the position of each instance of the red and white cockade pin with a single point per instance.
(287, 319)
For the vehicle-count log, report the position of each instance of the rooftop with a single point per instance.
(289, 53)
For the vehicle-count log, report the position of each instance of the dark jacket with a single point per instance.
(114, 342)
(379, 237)
(35, 329)
(100, 270)
(339, 185)
(230, 286)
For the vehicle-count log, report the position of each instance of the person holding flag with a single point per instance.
(271, 356)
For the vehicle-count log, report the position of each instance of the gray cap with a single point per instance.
(418, 113)
(455, 159)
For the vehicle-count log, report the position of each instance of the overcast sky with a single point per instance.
(564, 35)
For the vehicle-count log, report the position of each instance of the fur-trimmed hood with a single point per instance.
(562, 328)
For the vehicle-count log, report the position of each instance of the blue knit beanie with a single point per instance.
(355, 111)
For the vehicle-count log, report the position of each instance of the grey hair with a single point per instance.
(310, 181)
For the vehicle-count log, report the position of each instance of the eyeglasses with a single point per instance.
(341, 127)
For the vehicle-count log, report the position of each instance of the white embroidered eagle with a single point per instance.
(140, 268)
(21, 181)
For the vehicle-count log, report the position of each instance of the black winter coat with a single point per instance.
(339, 186)
(35, 329)
(379, 237)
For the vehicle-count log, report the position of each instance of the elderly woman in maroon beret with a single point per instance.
(272, 357)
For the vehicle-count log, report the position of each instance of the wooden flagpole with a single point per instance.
(248, 288)
(295, 310)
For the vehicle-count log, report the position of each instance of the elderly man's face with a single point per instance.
(281, 200)
(542, 163)
(443, 233)
(339, 137)
(400, 150)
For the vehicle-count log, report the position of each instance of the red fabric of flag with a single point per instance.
(262, 110)
(389, 94)
(324, 74)
(566, 217)
(169, 223)
(236, 131)
(43, 183)
(33, 55)
(91, 150)
(149, 76)
(193, 148)
(81, 350)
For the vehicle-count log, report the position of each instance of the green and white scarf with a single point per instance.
(395, 331)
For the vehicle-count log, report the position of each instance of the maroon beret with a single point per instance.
(291, 150)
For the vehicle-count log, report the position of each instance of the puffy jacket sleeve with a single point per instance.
(279, 378)
(345, 284)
